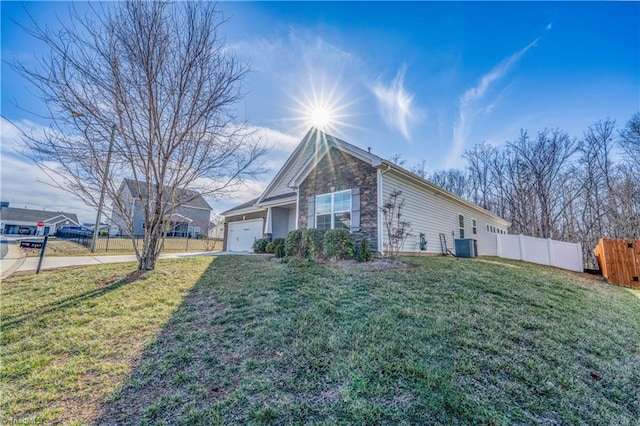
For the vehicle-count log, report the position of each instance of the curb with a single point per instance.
(6, 273)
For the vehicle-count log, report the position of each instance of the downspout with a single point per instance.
(380, 201)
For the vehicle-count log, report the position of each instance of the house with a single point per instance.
(216, 230)
(328, 183)
(25, 221)
(190, 213)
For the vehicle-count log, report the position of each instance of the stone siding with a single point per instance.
(339, 171)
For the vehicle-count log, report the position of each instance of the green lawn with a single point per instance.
(238, 340)
(122, 245)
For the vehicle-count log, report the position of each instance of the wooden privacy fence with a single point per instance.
(619, 261)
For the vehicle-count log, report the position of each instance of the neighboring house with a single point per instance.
(327, 183)
(17, 221)
(190, 218)
(216, 230)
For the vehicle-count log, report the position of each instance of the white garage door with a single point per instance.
(243, 234)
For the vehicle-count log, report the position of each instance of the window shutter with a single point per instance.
(355, 209)
(311, 212)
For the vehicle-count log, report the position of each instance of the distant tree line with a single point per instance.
(554, 186)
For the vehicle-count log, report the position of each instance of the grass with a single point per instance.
(121, 246)
(239, 340)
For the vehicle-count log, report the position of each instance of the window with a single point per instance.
(474, 226)
(461, 225)
(488, 230)
(333, 211)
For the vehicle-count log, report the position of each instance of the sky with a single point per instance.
(423, 80)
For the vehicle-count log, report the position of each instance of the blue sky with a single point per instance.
(424, 80)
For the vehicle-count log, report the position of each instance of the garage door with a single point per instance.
(242, 234)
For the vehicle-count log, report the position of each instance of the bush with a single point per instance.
(339, 244)
(279, 250)
(363, 252)
(270, 247)
(293, 244)
(260, 245)
(312, 243)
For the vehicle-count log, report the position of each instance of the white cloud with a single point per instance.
(395, 104)
(25, 185)
(471, 103)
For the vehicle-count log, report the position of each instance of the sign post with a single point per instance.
(40, 230)
(44, 246)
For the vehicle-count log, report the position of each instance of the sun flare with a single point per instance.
(321, 117)
(327, 108)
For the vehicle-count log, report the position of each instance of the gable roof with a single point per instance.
(186, 197)
(313, 147)
(29, 215)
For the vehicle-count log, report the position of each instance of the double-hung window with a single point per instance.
(461, 225)
(333, 211)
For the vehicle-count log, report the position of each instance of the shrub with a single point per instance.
(293, 244)
(312, 243)
(270, 247)
(339, 244)
(363, 252)
(260, 245)
(279, 251)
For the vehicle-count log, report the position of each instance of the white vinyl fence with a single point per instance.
(538, 250)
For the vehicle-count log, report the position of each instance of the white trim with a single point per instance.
(340, 145)
(297, 209)
(332, 211)
(379, 212)
(268, 228)
(287, 164)
(276, 203)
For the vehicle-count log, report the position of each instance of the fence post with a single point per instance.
(187, 245)
(521, 241)
(550, 251)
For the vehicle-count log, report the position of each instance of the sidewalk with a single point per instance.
(12, 260)
(15, 263)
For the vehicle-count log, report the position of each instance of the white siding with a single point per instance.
(279, 222)
(280, 185)
(292, 219)
(432, 214)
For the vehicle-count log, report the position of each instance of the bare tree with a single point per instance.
(630, 139)
(454, 181)
(420, 169)
(480, 159)
(397, 159)
(545, 162)
(398, 229)
(152, 85)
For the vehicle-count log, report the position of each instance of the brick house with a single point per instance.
(328, 183)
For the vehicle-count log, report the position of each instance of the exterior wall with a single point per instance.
(200, 218)
(292, 219)
(281, 185)
(237, 218)
(279, 222)
(432, 214)
(117, 216)
(339, 171)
